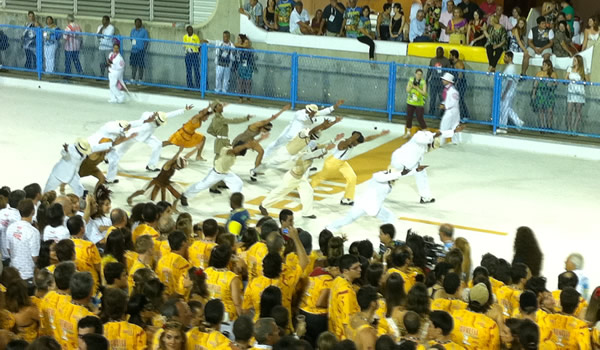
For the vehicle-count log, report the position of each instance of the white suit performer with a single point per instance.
(145, 134)
(110, 132)
(451, 98)
(303, 119)
(371, 201)
(297, 178)
(115, 76)
(67, 168)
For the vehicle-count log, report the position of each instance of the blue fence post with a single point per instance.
(39, 52)
(203, 69)
(391, 91)
(496, 102)
(294, 80)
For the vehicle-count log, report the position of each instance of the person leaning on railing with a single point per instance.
(105, 42)
(72, 45)
(28, 40)
(416, 91)
(192, 57)
(51, 39)
(137, 59)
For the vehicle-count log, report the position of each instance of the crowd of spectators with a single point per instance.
(163, 281)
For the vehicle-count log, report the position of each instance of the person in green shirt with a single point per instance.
(416, 91)
(352, 19)
(569, 12)
(283, 11)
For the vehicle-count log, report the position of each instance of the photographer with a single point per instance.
(416, 89)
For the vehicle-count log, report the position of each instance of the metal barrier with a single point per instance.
(502, 102)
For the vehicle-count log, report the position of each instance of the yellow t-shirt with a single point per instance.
(67, 317)
(315, 286)
(254, 291)
(449, 345)
(170, 269)
(566, 332)
(508, 298)
(255, 256)
(409, 278)
(448, 305)
(475, 331)
(130, 258)
(196, 339)
(136, 266)
(219, 283)
(582, 303)
(342, 305)
(87, 257)
(194, 39)
(199, 253)
(50, 304)
(125, 336)
(143, 229)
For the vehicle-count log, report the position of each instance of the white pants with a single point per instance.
(283, 139)
(113, 161)
(420, 179)
(384, 215)
(223, 74)
(50, 56)
(75, 184)
(450, 121)
(116, 95)
(288, 184)
(506, 110)
(231, 180)
(152, 141)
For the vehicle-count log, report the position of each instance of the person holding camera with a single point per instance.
(416, 89)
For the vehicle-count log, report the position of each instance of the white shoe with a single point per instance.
(346, 201)
(501, 131)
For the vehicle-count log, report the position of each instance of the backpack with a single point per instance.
(4, 44)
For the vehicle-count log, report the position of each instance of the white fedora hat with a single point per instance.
(83, 146)
(448, 77)
(312, 108)
(161, 118)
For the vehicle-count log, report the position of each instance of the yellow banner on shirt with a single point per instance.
(466, 53)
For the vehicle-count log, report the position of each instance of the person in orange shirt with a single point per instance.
(342, 302)
(360, 329)
(200, 249)
(400, 263)
(449, 299)
(44, 283)
(440, 328)
(171, 267)
(564, 329)
(491, 264)
(116, 276)
(214, 312)
(52, 300)
(87, 257)
(473, 329)
(194, 285)
(69, 313)
(121, 334)
(150, 216)
(569, 279)
(144, 246)
(508, 296)
(259, 250)
(222, 283)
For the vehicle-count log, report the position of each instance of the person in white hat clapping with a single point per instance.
(451, 98)
(145, 133)
(303, 119)
(67, 168)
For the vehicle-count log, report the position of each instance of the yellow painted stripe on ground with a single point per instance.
(429, 222)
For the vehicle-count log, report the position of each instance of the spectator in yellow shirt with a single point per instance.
(116, 276)
(144, 246)
(89, 325)
(192, 58)
(214, 312)
(24, 311)
(171, 267)
(449, 299)
(222, 283)
(243, 331)
(259, 250)
(569, 279)
(473, 329)
(508, 296)
(199, 251)
(114, 250)
(440, 328)
(360, 329)
(118, 218)
(121, 334)
(87, 257)
(342, 303)
(564, 329)
(172, 337)
(69, 313)
(400, 261)
(62, 278)
(150, 216)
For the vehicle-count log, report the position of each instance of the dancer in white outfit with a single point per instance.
(145, 134)
(67, 168)
(511, 81)
(451, 107)
(297, 178)
(116, 66)
(406, 161)
(222, 170)
(303, 119)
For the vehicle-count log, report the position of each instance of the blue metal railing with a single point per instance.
(302, 79)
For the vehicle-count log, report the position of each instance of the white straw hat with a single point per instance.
(161, 118)
(448, 77)
(312, 108)
(83, 146)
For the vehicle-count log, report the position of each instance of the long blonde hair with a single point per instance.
(520, 30)
(580, 67)
(464, 246)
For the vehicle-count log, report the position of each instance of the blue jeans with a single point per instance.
(72, 56)
(192, 69)
(30, 62)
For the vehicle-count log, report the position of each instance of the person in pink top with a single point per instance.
(72, 45)
(445, 17)
(116, 66)
(502, 18)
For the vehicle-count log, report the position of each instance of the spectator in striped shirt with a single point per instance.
(72, 45)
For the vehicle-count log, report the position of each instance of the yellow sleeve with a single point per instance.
(349, 306)
(141, 342)
(247, 299)
(584, 339)
(94, 255)
(494, 337)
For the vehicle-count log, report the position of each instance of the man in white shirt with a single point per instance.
(34, 192)
(303, 119)
(451, 98)
(9, 215)
(24, 241)
(67, 168)
(445, 17)
(144, 133)
(300, 20)
(224, 57)
(414, 9)
(511, 80)
(105, 42)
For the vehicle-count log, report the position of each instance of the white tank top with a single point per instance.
(343, 154)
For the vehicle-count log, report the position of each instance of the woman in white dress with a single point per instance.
(575, 92)
(51, 40)
(592, 33)
(116, 65)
